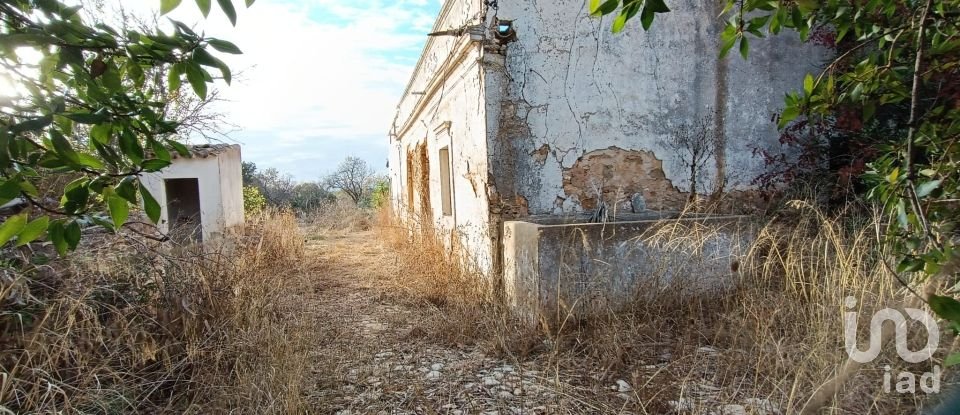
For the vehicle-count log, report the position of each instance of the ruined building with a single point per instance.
(200, 196)
(534, 111)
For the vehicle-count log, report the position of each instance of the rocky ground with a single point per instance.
(372, 356)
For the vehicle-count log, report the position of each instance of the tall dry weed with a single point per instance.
(125, 325)
(766, 342)
(438, 272)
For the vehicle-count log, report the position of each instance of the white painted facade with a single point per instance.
(443, 107)
(217, 169)
(533, 124)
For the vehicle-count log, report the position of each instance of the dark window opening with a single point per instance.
(446, 197)
(183, 209)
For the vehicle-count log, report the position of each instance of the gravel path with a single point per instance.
(372, 357)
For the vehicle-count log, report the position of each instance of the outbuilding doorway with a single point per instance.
(183, 209)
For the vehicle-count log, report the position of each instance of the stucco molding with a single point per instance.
(453, 62)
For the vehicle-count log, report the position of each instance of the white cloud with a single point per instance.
(315, 75)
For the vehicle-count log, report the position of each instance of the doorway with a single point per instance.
(183, 209)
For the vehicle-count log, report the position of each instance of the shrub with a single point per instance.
(253, 200)
(381, 194)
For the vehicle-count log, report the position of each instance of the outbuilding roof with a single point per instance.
(207, 150)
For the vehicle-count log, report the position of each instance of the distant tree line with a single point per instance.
(352, 181)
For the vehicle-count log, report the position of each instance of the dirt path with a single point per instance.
(372, 356)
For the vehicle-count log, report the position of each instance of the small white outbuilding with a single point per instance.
(201, 197)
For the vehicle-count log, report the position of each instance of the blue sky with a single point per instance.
(320, 79)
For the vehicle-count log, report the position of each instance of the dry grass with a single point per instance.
(769, 341)
(127, 326)
(338, 217)
(436, 273)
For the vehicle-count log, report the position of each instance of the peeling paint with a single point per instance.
(540, 154)
(614, 175)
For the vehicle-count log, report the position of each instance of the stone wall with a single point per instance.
(555, 271)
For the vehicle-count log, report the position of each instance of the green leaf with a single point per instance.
(90, 161)
(952, 360)
(159, 151)
(656, 6)
(910, 264)
(869, 108)
(34, 124)
(9, 190)
(72, 234)
(101, 133)
(619, 23)
(87, 118)
(646, 18)
(728, 38)
(227, 7)
(598, 8)
(946, 307)
(56, 232)
(173, 78)
(63, 148)
(224, 46)
(76, 195)
(205, 58)
(204, 6)
(197, 79)
(12, 227)
(808, 6)
(181, 149)
(119, 210)
(126, 189)
(925, 189)
(789, 114)
(166, 6)
(130, 146)
(150, 205)
(111, 78)
(744, 47)
(250, 2)
(808, 84)
(33, 230)
(154, 165)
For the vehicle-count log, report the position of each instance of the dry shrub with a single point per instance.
(124, 325)
(776, 336)
(436, 273)
(340, 216)
(768, 340)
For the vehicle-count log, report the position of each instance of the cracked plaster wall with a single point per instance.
(444, 107)
(571, 90)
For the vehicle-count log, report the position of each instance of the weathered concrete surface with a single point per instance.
(553, 271)
(576, 95)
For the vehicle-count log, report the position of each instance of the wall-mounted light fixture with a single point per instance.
(505, 32)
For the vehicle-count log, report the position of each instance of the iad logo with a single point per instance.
(906, 381)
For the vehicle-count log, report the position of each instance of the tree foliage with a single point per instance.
(380, 195)
(311, 196)
(354, 177)
(82, 105)
(253, 200)
(898, 65)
